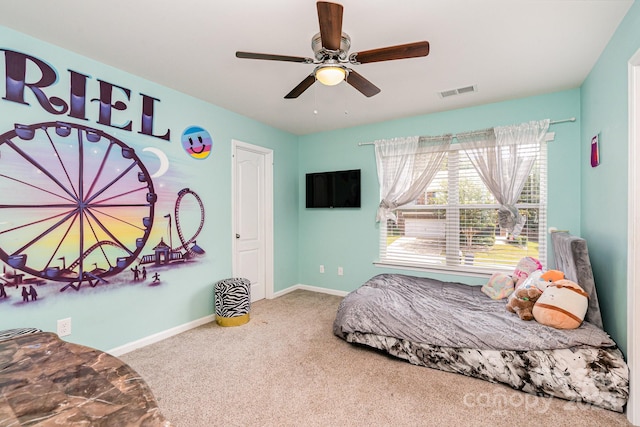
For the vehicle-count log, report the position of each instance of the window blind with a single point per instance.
(453, 224)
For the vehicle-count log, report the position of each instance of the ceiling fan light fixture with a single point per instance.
(330, 75)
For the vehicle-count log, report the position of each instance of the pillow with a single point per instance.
(572, 257)
(499, 286)
(562, 305)
(526, 266)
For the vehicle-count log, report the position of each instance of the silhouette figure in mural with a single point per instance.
(144, 273)
(3, 292)
(33, 293)
(136, 273)
(156, 277)
(25, 294)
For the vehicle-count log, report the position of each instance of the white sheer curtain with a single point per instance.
(503, 157)
(405, 167)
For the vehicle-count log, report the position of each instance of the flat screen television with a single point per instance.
(338, 189)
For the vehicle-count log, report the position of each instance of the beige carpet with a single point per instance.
(286, 368)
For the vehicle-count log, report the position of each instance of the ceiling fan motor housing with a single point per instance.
(321, 53)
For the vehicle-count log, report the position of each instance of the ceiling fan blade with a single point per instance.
(409, 50)
(330, 19)
(367, 88)
(270, 57)
(304, 85)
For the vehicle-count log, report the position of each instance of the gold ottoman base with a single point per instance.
(232, 321)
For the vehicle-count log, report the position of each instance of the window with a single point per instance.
(453, 224)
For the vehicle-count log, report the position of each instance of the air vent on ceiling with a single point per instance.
(458, 91)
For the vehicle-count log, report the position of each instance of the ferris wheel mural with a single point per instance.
(77, 206)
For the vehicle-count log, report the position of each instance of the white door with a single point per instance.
(253, 217)
(633, 244)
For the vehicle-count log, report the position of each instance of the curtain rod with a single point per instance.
(553, 122)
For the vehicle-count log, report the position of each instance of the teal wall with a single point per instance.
(604, 188)
(591, 202)
(580, 198)
(349, 237)
(110, 316)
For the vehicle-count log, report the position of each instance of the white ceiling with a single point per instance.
(508, 48)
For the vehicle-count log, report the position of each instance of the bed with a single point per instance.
(46, 381)
(456, 328)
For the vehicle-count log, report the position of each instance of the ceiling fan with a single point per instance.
(331, 51)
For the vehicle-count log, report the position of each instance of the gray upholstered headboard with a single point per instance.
(572, 258)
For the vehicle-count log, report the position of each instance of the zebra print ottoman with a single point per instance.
(232, 300)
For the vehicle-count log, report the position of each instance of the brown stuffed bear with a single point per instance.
(522, 300)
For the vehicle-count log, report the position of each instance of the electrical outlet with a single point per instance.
(64, 327)
(340, 271)
(321, 268)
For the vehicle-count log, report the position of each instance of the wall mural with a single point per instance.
(79, 206)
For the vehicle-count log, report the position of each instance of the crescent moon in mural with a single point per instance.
(164, 161)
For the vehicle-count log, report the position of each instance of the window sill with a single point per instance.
(460, 271)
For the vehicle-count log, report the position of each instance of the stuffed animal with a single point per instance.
(522, 301)
(525, 267)
(563, 305)
(541, 279)
(549, 277)
(499, 286)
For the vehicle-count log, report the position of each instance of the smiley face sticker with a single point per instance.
(197, 142)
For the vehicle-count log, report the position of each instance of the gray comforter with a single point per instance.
(454, 315)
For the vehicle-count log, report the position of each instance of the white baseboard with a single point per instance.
(119, 351)
(310, 288)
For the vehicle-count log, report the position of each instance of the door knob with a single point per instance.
(237, 236)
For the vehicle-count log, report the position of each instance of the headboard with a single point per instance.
(572, 258)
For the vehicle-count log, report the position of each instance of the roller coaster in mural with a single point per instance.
(188, 247)
(95, 205)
